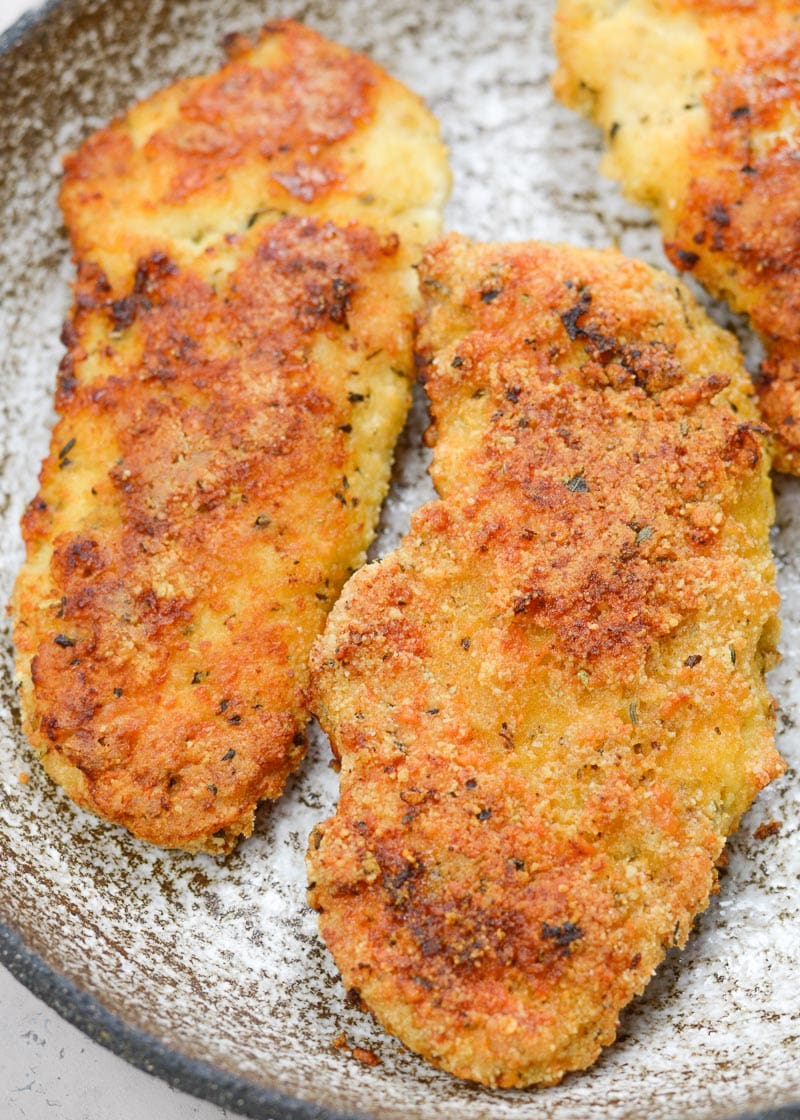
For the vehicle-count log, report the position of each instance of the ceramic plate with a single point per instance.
(211, 973)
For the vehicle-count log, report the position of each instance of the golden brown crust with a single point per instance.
(729, 206)
(549, 702)
(274, 116)
(292, 124)
(779, 395)
(228, 408)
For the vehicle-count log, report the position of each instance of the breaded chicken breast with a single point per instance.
(699, 101)
(549, 702)
(238, 369)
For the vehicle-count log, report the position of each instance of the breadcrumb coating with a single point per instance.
(549, 701)
(699, 102)
(238, 368)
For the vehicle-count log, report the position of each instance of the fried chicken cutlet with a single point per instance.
(699, 102)
(549, 702)
(238, 370)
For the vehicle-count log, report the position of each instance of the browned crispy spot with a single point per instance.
(767, 829)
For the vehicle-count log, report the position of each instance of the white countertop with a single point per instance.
(11, 10)
(48, 1069)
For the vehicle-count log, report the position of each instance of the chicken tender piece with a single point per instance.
(549, 702)
(238, 370)
(699, 102)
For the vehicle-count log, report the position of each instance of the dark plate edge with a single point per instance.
(198, 1078)
(137, 1047)
(143, 1050)
(25, 23)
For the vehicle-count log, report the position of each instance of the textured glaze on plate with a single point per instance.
(221, 960)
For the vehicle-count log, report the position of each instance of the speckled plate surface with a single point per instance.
(211, 973)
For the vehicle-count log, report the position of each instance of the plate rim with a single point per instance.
(139, 1048)
(146, 1052)
(189, 1075)
(26, 22)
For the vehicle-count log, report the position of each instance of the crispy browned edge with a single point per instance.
(734, 223)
